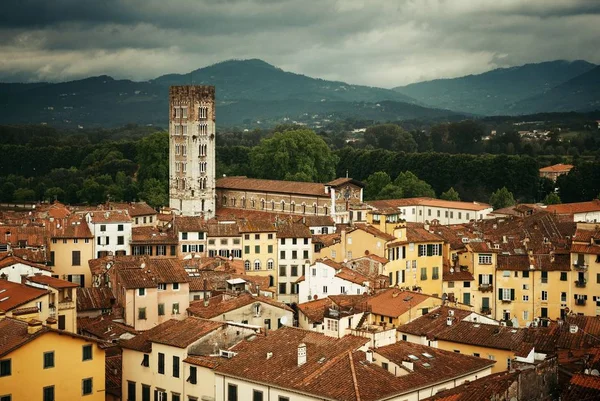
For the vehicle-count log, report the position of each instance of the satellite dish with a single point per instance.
(452, 270)
(283, 320)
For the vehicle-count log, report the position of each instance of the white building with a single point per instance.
(13, 268)
(111, 230)
(295, 255)
(192, 150)
(327, 277)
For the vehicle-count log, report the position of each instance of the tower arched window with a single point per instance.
(272, 205)
(303, 208)
(243, 202)
(282, 205)
(262, 204)
(252, 203)
(224, 202)
(293, 207)
(315, 209)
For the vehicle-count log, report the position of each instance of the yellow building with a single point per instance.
(585, 281)
(259, 245)
(24, 302)
(62, 300)
(41, 363)
(354, 242)
(71, 246)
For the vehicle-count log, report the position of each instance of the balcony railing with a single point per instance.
(580, 283)
(486, 287)
(486, 311)
(580, 265)
(506, 301)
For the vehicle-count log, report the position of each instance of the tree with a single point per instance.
(450, 195)
(153, 157)
(293, 154)
(375, 183)
(502, 198)
(24, 195)
(552, 199)
(391, 137)
(155, 193)
(412, 186)
(54, 193)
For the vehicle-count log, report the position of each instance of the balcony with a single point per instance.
(506, 301)
(580, 266)
(580, 283)
(486, 287)
(580, 302)
(486, 311)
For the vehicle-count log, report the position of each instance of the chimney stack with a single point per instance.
(369, 354)
(301, 354)
(51, 322)
(34, 326)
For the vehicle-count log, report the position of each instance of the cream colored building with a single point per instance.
(62, 301)
(585, 274)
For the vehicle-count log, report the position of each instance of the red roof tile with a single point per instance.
(51, 281)
(394, 302)
(89, 299)
(13, 295)
(11, 260)
(272, 186)
(224, 303)
(557, 168)
(572, 208)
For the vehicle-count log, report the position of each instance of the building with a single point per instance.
(14, 268)
(555, 171)
(352, 242)
(38, 362)
(62, 299)
(259, 244)
(288, 197)
(94, 301)
(426, 210)
(256, 311)
(155, 242)
(295, 255)
(585, 262)
(24, 302)
(190, 232)
(192, 150)
(585, 212)
(111, 231)
(335, 316)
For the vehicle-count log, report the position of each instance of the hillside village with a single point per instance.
(252, 289)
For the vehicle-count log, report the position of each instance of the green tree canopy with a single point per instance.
(375, 183)
(153, 157)
(412, 186)
(450, 195)
(502, 198)
(552, 199)
(298, 154)
(391, 137)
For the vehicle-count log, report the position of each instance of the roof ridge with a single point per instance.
(354, 379)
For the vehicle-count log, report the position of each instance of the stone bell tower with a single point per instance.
(192, 150)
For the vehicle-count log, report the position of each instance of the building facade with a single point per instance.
(192, 150)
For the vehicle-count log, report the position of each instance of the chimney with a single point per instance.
(449, 321)
(204, 285)
(369, 356)
(51, 322)
(34, 326)
(301, 354)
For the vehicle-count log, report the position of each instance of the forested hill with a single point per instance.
(499, 91)
(249, 93)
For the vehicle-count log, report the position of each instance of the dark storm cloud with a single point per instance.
(375, 42)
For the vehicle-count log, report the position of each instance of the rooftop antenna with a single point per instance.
(346, 173)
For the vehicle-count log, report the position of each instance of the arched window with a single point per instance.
(282, 205)
(247, 265)
(325, 210)
(293, 207)
(270, 264)
(303, 208)
(315, 209)
(252, 203)
(324, 230)
(224, 202)
(271, 281)
(257, 264)
(233, 201)
(272, 205)
(183, 183)
(262, 204)
(244, 202)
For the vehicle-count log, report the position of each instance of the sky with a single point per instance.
(383, 43)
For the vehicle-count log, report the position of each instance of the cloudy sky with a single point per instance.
(374, 42)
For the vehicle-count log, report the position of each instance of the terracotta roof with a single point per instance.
(558, 335)
(32, 235)
(135, 209)
(25, 311)
(34, 255)
(557, 168)
(51, 281)
(513, 262)
(317, 221)
(416, 233)
(190, 224)
(223, 230)
(374, 231)
(154, 272)
(153, 235)
(89, 299)
(326, 239)
(458, 274)
(434, 322)
(225, 303)
(352, 276)
(376, 258)
(73, 226)
(184, 332)
(141, 342)
(209, 362)
(582, 388)
(257, 226)
(437, 366)
(394, 302)
(487, 335)
(586, 236)
(105, 327)
(395, 203)
(590, 249)
(487, 388)
(272, 186)
(572, 208)
(315, 310)
(345, 180)
(110, 216)
(11, 260)
(293, 230)
(13, 295)
(113, 372)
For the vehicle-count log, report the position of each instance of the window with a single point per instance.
(294, 272)
(544, 277)
(184, 236)
(141, 292)
(120, 227)
(270, 264)
(175, 366)
(282, 398)
(505, 273)
(102, 227)
(324, 289)
(282, 288)
(247, 265)
(256, 236)
(305, 255)
(76, 258)
(436, 273)
(282, 270)
(506, 294)
(563, 297)
(131, 391)
(423, 273)
(563, 276)
(162, 287)
(141, 313)
(175, 397)
(161, 363)
(256, 248)
(48, 393)
(87, 352)
(120, 240)
(161, 309)
(526, 298)
(5, 368)
(526, 315)
(175, 286)
(48, 359)
(232, 394)
(146, 360)
(332, 325)
(145, 392)
(257, 264)
(257, 395)
(485, 259)
(269, 248)
(175, 309)
(86, 386)
(466, 284)
(193, 375)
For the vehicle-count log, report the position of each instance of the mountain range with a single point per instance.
(255, 93)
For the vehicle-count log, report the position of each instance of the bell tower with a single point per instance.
(192, 150)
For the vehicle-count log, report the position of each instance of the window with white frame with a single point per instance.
(544, 295)
(257, 264)
(485, 259)
(506, 294)
(332, 325)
